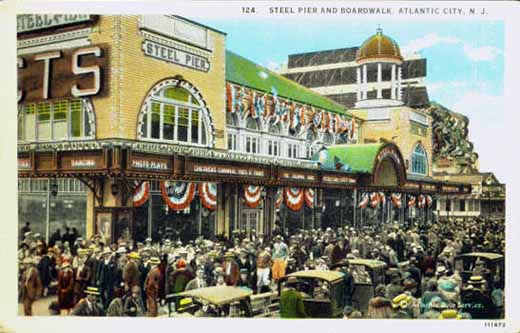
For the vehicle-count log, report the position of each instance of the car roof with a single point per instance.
(372, 263)
(329, 276)
(218, 295)
(486, 255)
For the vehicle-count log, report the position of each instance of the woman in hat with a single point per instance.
(66, 287)
(379, 308)
(230, 269)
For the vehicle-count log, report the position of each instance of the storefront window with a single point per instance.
(57, 120)
(175, 115)
(419, 161)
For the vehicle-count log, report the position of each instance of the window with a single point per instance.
(252, 145)
(293, 150)
(273, 147)
(174, 114)
(419, 161)
(57, 120)
(232, 141)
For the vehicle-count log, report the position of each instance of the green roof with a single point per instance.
(244, 72)
(355, 158)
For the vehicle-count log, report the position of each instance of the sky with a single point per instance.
(465, 61)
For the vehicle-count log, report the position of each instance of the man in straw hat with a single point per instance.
(152, 287)
(31, 285)
(66, 287)
(230, 269)
(131, 274)
(106, 275)
(82, 275)
(475, 300)
(88, 306)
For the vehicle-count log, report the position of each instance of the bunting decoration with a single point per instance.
(396, 199)
(238, 100)
(363, 203)
(253, 195)
(382, 197)
(308, 195)
(141, 194)
(374, 200)
(279, 198)
(411, 201)
(252, 111)
(316, 119)
(177, 195)
(429, 201)
(208, 195)
(421, 201)
(301, 117)
(294, 198)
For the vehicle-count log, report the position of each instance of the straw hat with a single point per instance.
(92, 291)
(401, 301)
(154, 261)
(134, 255)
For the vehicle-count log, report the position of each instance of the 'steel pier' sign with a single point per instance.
(175, 56)
(31, 22)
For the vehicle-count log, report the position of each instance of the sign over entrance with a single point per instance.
(175, 56)
(30, 22)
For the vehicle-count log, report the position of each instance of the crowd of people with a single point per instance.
(130, 278)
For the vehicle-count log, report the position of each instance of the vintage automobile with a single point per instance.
(367, 274)
(322, 290)
(488, 265)
(221, 301)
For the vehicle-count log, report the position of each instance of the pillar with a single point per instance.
(399, 79)
(379, 81)
(358, 81)
(365, 83)
(392, 83)
(222, 222)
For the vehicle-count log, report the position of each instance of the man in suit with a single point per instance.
(66, 287)
(131, 271)
(230, 269)
(88, 306)
(31, 285)
(198, 281)
(82, 276)
(106, 273)
(152, 287)
(291, 301)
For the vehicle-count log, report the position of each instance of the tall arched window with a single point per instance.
(419, 160)
(68, 119)
(175, 112)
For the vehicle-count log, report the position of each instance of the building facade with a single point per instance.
(159, 131)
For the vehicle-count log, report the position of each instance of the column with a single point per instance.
(392, 83)
(358, 81)
(222, 226)
(379, 81)
(399, 78)
(365, 83)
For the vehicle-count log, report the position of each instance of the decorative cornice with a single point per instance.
(55, 38)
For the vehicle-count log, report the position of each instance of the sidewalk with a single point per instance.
(40, 307)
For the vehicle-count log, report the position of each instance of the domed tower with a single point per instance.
(379, 72)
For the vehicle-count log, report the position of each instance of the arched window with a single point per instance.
(56, 121)
(231, 119)
(252, 124)
(174, 111)
(419, 160)
(328, 138)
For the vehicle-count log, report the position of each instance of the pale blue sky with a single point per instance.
(465, 59)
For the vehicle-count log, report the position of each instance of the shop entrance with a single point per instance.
(249, 220)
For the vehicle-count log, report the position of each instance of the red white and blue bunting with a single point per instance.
(208, 195)
(294, 198)
(374, 199)
(253, 195)
(429, 201)
(308, 195)
(396, 199)
(382, 198)
(421, 201)
(177, 195)
(141, 194)
(411, 201)
(363, 203)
